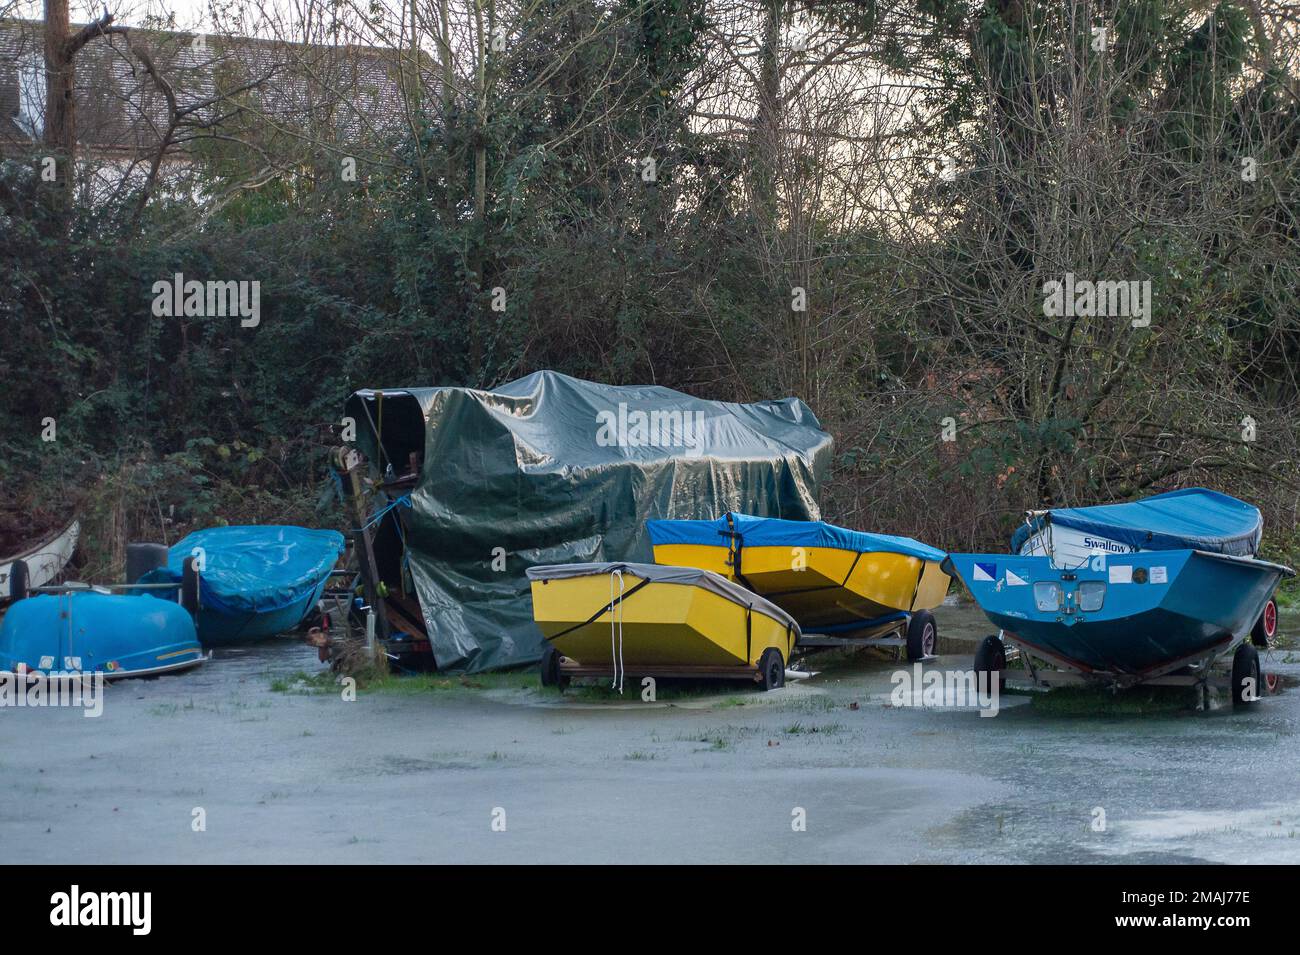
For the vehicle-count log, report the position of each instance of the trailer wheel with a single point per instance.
(1246, 687)
(18, 578)
(771, 669)
(190, 587)
(550, 666)
(990, 658)
(1273, 683)
(922, 636)
(1265, 628)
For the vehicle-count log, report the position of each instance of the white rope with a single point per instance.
(616, 610)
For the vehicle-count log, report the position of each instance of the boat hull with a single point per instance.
(1130, 615)
(663, 624)
(823, 586)
(225, 626)
(44, 562)
(87, 632)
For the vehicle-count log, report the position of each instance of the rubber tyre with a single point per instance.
(990, 658)
(771, 669)
(1265, 629)
(18, 578)
(550, 666)
(922, 636)
(1245, 666)
(190, 587)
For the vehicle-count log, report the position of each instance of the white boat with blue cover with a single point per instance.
(1194, 517)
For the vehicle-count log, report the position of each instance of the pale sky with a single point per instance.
(189, 14)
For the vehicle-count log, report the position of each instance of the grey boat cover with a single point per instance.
(551, 469)
(667, 574)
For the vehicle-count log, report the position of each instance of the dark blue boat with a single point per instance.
(1129, 616)
(1129, 592)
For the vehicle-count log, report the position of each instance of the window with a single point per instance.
(31, 94)
(1091, 595)
(1048, 596)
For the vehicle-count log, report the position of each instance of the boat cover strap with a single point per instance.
(664, 573)
(602, 611)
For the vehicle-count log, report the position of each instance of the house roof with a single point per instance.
(352, 93)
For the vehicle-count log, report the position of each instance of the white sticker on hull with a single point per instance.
(1121, 573)
(1159, 575)
(1013, 580)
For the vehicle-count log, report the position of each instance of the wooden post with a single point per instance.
(362, 539)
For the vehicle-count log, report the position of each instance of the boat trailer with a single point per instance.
(916, 633)
(1204, 670)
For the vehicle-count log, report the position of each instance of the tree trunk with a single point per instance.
(767, 129)
(448, 111)
(60, 134)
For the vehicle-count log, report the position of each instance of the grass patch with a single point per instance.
(666, 691)
(171, 709)
(302, 683)
(798, 729)
(421, 683)
(720, 740)
(1100, 701)
(819, 703)
(402, 684)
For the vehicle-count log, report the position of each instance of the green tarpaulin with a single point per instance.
(551, 469)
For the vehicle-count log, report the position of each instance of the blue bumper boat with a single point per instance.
(254, 582)
(85, 631)
(1129, 593)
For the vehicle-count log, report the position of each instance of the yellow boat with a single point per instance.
(828, 578)
(648, 619)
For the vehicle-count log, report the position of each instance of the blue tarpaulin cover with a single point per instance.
(254, 569)
(776, 532)
(1194, 518)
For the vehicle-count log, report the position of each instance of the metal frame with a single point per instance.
(891, 634)
(77, 586)
(1061, 672)
(572, 668)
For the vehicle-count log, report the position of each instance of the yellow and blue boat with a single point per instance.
(826, 577)
(651, 619)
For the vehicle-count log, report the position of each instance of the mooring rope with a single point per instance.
(379, 515)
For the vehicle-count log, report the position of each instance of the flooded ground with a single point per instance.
(281, 770)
